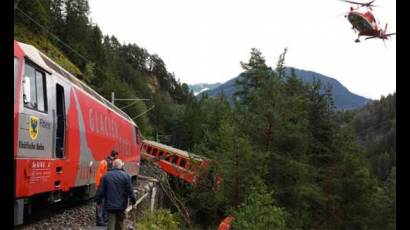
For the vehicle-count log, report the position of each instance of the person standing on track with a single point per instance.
(104, 166)
(115, 189)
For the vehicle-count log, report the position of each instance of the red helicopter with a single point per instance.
(364, 22)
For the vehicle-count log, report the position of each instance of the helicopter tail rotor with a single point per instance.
(385, 34)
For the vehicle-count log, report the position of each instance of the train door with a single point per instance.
(60, 136)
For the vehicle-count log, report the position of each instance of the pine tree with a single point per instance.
(255, 75)
(258, 211)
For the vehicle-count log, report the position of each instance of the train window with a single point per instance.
(154, 152)
(137, 135)
(34, 89)
(182, 162)
(149, 149)
(41, 93)
(175, 160)
(29, 91)
(168, 158)
(161, 153)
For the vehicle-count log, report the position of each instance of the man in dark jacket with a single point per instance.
(115, 189)
(104, 166)
(110, 159)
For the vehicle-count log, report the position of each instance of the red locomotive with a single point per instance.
(62, 129)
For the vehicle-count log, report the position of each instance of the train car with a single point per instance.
(176, 162)
(186, 166)
(62, 129)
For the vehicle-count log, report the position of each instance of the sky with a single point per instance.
(204, 41)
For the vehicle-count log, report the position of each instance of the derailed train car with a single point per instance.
(188, 167)
(62, 129)
(175, 162)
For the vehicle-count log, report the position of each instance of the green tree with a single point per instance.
(255, 75)
(76, 31)
(355, 185)
(258, 212)
(234, 160)
(27, 11)
(383, 204)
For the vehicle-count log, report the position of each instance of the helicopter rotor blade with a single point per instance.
(372, 37)
(390, 34)
(351, 2)
(384, 43)
(368, 4)
(383, 37)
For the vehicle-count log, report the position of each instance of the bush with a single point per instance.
(160, 219)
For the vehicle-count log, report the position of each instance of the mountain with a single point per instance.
(343, 98)
(201, 87)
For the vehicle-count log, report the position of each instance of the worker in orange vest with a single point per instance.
(104, 166)
(226, 223)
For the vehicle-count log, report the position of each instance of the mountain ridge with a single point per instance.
(344, 99)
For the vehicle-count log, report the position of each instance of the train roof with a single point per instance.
(173, 150)
(50, 66)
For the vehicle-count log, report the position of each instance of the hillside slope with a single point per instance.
(343, 98)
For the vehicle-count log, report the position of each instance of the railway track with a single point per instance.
(81, 214)
(63, 215)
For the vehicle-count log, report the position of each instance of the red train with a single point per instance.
(62, 129)
(176, 162)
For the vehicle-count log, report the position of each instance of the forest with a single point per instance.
(288, 158)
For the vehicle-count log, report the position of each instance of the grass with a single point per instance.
(22, 34)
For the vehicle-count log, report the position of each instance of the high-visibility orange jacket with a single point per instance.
(226, 223)
(101, 171)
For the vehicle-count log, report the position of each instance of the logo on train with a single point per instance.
(33, 127)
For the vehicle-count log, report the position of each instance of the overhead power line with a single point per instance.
(55, 37)
(78, 54)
